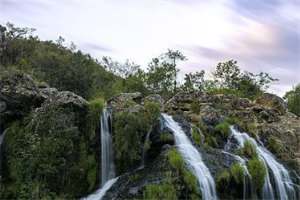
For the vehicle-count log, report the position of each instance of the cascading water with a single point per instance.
(193, 158)
(107, 163)
(284, 189)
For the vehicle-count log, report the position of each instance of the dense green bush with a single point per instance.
(196, 136)
(160, 191)
(293, 100)
(238, 173)
(248, 150)
(258, 172)
(49, 153)
(195, 107)
(223, 128)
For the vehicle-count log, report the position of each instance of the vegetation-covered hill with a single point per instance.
(52, 96)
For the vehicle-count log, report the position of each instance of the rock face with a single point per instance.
(47, 135)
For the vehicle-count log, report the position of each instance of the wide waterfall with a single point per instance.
(107, 162)
(283, 186)
(193, 158)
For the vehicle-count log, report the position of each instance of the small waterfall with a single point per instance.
(107, 162)
(284, 189)
(193, 159)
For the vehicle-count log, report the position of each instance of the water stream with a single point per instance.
(193, 158)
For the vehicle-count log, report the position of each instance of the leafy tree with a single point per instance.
(293, 100)
(173, 56)
(194, 81)
(227, 74)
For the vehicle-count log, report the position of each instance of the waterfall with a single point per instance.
(193, 158)
(107, 162)
(284, 189)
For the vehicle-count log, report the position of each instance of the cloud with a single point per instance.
(96, 47)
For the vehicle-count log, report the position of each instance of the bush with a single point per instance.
(160, 191)
(238, 173)
(196, 136)
(248, 150)
(274, 145)
(257, 171)
(152, 111)
(195, 107)
(223, 128)
(223, 180)
(175, 159)
(129, 129)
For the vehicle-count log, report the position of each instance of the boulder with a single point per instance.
(273, 102)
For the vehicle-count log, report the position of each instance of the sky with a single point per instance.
(260, 35)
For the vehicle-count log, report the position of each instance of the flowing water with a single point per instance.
(283, 186)
(107, 163)
(193, 158)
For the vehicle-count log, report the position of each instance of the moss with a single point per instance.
(248, 150)
(211, 141)
(238, 173)
(195, 107)
(223, 128)
(257, 171)
(160, 191)
(196, 136)
(191, 181)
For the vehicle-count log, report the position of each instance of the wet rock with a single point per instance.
(154, 98)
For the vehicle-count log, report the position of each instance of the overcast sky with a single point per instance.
(260, 35)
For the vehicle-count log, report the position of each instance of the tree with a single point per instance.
(227, 74)
(194, 81)
(293, 100)
(124, 70)
(173, 56)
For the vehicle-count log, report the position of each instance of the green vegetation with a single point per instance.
(160, 191)
(152, 111)
(195, 107)
(223, 128)
(48, 150)
(166, 137)
(293, 100)
(190, 181)
(258, 172)
(238, 173)
(274, 145)
(196, 136)
(248, 150)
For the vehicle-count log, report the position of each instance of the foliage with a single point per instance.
(166, 137)
(194, 81)
(257, 171)
(160, 191)
(248, 150)
(129, 129)
(223, 180)
(293, 100)
(195, 107)
(237, 172)
(152, 111)
(196, 136)
(274, 145)
(48, 152)
(175, 159)
(223, 128)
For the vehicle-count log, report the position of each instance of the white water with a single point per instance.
(284, 189)
(107, 163)
(101, 192)
(193, 159)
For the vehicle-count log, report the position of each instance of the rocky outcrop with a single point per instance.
(49, 138)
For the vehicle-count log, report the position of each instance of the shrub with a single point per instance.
(257, 171)
(166, 137)
(128, 130)
(274, 145)
(160, 191)
(248, 150)
(195, 107)
(223, 180)
(196, 136)
(237, 172)
(152, 111)
(223, 128)
(175, 159)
